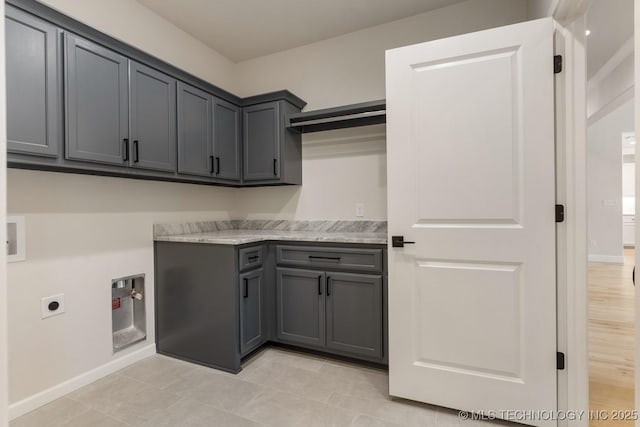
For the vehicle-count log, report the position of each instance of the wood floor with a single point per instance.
(611, 338)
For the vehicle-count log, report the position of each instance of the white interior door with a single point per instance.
(471, 179)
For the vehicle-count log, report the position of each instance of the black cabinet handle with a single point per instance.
(275, 167)
(136, 154)
(217, 165)
(326, 258)
(125, 154)
(253, 258)
(328, 286)
(212, 170)
(246, 288)
(319, 285)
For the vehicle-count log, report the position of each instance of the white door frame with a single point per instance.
(573, 382)
(637, 127)
(4, 377)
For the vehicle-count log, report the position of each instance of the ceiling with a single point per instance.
(245, 29)
(611, 24)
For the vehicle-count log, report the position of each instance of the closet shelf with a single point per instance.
(346, 116)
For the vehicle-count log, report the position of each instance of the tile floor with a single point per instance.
(277, 387)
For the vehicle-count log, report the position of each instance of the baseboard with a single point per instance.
(49, 395)
(607, 258)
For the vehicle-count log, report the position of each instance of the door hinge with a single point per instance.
(557, 64)
(560, 361)
(559, 213)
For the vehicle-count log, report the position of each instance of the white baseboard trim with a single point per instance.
(607, 258)
(49, 395)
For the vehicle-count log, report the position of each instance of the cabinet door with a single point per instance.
(300, 299)
(262, 142)
(33, 85)
(195, 153)
(153, 119)
(252, 311)
(96, 101)
(354, 313)
(226, 139)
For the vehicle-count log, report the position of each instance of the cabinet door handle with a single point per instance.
(324, 258)
(212, 170)
(217, 165)
(253, 258)
(246, 288)
(275, 167)
(319, 285)
(136, 154)
(125, 154)
(328, 286)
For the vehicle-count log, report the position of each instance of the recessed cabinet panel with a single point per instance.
(33, 85)
(253, 325)
(354, 313)
(300, 299)
(226, 140)
(195, 151)
(97, 103)
(153, 119)
(262, 142)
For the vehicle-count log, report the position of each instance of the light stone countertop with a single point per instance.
(334, 232)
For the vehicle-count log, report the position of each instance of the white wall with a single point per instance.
(604, 182)
(82, 231)
(612, 85)
(342, 168)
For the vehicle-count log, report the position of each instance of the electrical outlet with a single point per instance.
(52, 305)
(592, 243)
(359, 209)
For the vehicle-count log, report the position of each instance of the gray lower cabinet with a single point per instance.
(153, 119)
(354, 313)
(339, 312)
(97, 106)
(195, 143)
(196, 303)
(227, 140)
(214, 304)
(300, 306)
(253, 316)
(34, 96)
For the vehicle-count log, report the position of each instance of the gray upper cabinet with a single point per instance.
(262, 142)
(97, 106)
(33, 85)
(195, 147)
(354, 313)
(227, 142)
(253, 320)
(272, 153)
(153, 119)
(301, 305)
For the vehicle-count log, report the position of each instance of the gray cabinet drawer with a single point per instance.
(332, 258)
(250, 257)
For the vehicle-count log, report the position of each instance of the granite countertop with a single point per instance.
(239, 232)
